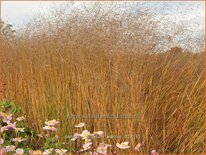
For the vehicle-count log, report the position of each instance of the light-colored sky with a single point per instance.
(19, 12)
(190, 14)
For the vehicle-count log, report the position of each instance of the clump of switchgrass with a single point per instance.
(67, 68)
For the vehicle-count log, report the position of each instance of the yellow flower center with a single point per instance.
(85, 135)
(123, 144)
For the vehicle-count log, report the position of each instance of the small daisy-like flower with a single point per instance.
(1, 141)
(19, 151)
(123, 145)
(35, 152)
(85, 134)
(86, 146)
(75, 136)
(5, 117)
(154, 152)
(52, 122)
(10, 126)
(49, 128)
(20, 118)
(19, 139)
(19, 129)
(48, 151)
(102, 148)
(99, 133)
(3, 151)
(31, 151)
(61, 151)
(10, 148)
(80, 125)
(137, 147)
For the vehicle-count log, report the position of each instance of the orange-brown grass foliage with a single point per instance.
(94, 62)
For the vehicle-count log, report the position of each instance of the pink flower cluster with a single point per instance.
(89, 144)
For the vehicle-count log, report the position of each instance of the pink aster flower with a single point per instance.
(20, 118)
(85, 134)
(6, 118)
(123, 145)
(1, 141)
(19, 129)
(52, 122)
(86, 146)
(137, 147)
(35, 152)
(19, 151)
(75, 136)
(9, 126)
(3, 151)
(48, 151)
(61, 151)
(10, 148)
(19, 139)
(49, 128)
(154, 152)
(99, 133)
(102, 148)
(31, 151)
